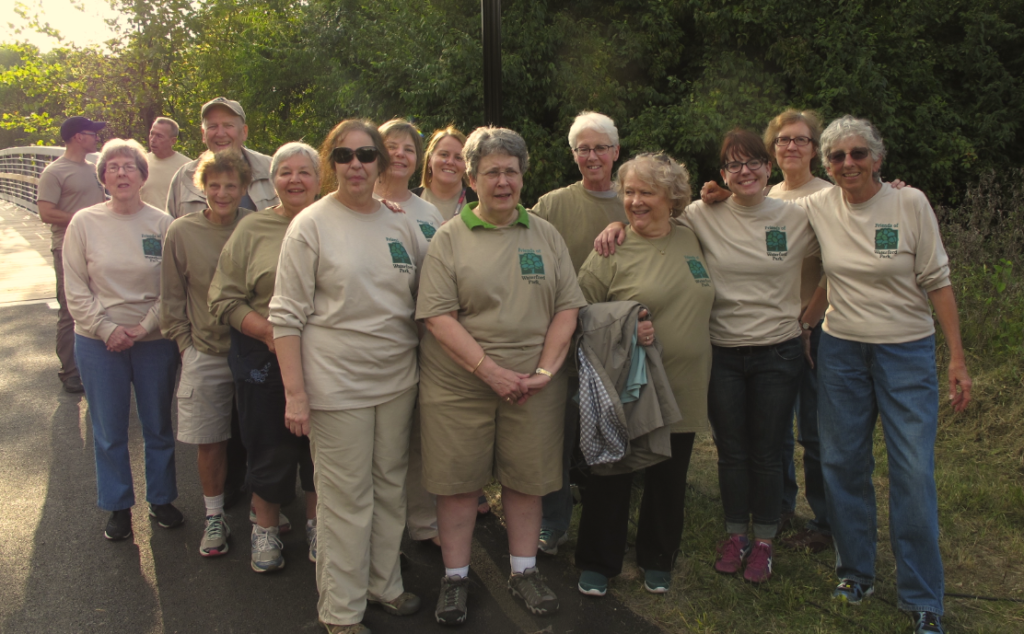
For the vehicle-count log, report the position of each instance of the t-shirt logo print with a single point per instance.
(151, 247)
(531, 264)
(887, 239)
(697, 270)
(398, 253)
(427, 229)
(775, 240)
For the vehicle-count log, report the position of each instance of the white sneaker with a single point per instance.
(266, 549)
(311, 540)
(215, 536)
(284, 525)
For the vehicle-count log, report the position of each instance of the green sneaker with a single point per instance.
(550, 540)
(657, 581)
(593, 583)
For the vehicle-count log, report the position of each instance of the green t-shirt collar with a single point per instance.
(473, 221)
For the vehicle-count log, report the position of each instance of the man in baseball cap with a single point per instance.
(66, 186)
(224, 128)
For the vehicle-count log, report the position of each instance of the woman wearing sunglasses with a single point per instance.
(884, 259)
(346, 343)
(754, 247)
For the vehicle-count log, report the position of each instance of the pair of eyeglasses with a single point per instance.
(365, 154)
(735, 167)
(495, 174)
(801, 141)
(600, 150)
(857, 154)
(129, 168)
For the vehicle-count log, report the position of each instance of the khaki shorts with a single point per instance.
(467, 439)
(206, 393)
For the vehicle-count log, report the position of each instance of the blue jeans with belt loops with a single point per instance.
(858, 382)
(750, 402)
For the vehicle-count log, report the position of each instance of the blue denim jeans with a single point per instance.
(806, 411)
(859, 381)
(108, 377)
(750, 403)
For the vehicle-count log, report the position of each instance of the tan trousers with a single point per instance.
(360, 458)
(422, 504)
(65, 323)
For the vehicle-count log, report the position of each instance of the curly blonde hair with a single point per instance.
(663, 173)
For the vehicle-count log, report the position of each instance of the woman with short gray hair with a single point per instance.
(883, 255)
(240, 297)
(112, 259)
(499, 298)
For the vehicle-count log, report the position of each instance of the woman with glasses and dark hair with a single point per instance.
(346, 342)
(883, 255)
(112, 258)
(754, 247)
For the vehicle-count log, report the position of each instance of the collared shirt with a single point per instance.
(473, 221)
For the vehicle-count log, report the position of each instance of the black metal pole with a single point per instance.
(490, 11)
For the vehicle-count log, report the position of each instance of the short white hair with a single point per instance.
(847, 126)
(289, 150)
(596, 121)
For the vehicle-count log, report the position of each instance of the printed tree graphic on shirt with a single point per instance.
(775, 240)
(887, 239)
(531, 264)
(697, 270)
(151, 247)
(428, 230)
(398, 253)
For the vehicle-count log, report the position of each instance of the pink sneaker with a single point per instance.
(759, 564)
(731, 553)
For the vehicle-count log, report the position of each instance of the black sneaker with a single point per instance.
(119, 526)
(166, 515)
(73, 385)
(451, 603)
(926, 623)
(530, 587)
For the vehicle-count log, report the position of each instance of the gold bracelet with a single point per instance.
(479, 363)
(542, 371)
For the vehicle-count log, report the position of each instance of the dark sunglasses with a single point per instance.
(365, 154)
(857, 154)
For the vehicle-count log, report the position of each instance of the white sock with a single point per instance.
(521, 564)
(457, 572)
(214, 505)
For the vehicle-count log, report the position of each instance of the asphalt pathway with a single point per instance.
(58, 573)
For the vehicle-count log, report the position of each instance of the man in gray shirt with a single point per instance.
(67, 186)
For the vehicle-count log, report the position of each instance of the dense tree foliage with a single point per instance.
(942, 79)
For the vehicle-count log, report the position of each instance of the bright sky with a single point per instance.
(77, 27)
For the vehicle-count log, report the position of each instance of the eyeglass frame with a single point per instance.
(835, 159)
(113, 168)
(344, 155)
(742, 164)
(585, 151)
(784, 141)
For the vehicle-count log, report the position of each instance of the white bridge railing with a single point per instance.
(20, 168)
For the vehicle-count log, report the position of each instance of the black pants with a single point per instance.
(605, 519)
(273, 451)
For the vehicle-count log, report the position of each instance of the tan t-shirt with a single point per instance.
(447, 207)
(579, 216)
(882, 258)
(810, 274)
(346, 284)
(112, 270)
(507, 284)
(426, 215)
(247, 268)
(755, 255)
(161, 171)
(71, 187)
(191, 252)
(679, 292)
